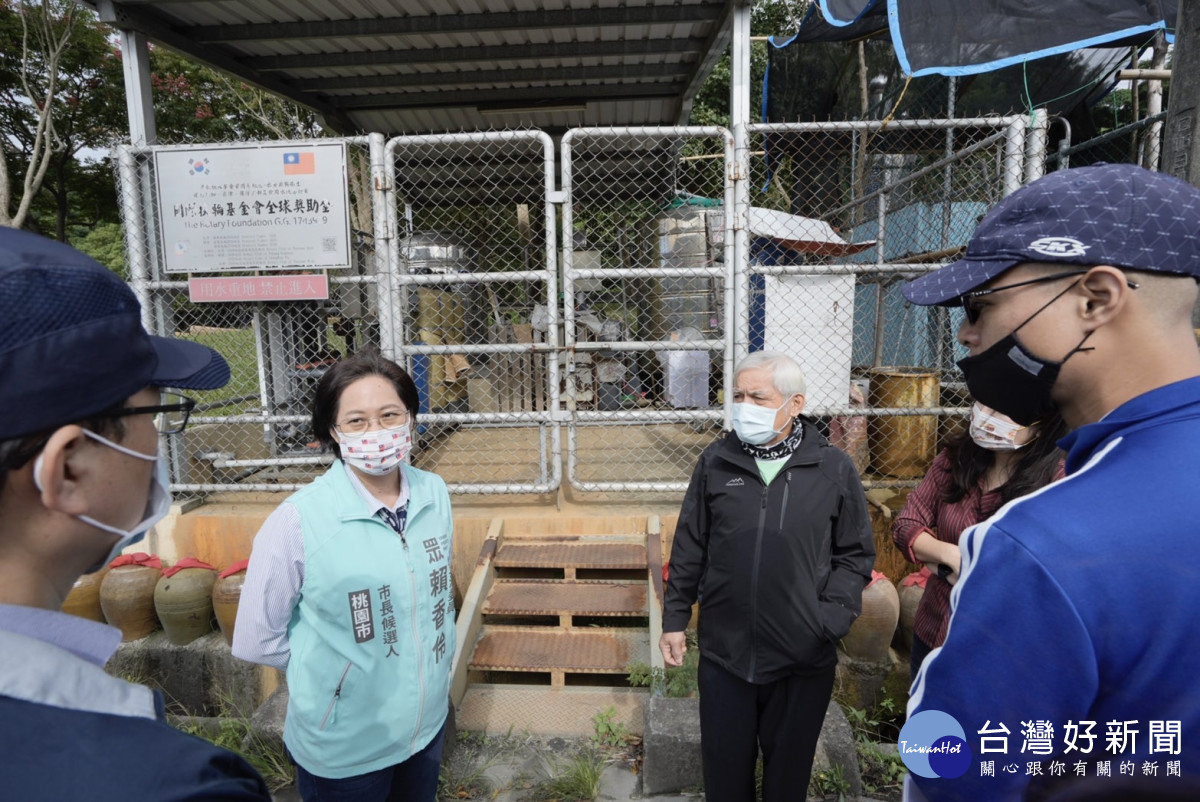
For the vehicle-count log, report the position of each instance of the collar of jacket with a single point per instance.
(351, 506)
(807, 454)
(1170, 402)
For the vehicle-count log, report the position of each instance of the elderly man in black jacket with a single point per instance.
(774, 540)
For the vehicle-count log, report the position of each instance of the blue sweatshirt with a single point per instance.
(1077, 604)
(70, 731)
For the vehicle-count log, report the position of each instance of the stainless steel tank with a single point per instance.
(442, 314)
(686, 235)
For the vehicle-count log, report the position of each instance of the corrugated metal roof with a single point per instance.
(425, 66)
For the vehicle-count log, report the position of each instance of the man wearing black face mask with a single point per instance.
(1070, 642)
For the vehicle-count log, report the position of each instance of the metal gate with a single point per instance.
(648, 266)
(605, 286)
(473, 260)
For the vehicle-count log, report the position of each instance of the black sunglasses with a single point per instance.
(967, 299)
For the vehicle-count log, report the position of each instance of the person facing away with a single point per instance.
(81, 477)
(1071, 639)
(774, 541)
(348, 590)
(992, 461)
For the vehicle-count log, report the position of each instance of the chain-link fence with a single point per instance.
(647, 298)
(472, 305)
(871, 206)
(612, 309)
(1137, 143)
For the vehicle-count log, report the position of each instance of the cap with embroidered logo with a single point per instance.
(1109, 214)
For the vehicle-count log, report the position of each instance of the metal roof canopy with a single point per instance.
(436, 66)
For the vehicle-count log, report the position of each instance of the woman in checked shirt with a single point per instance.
(980, 470)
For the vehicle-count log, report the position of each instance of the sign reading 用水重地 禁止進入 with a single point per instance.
(253, 207)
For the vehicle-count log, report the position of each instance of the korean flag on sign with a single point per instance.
(299, 163)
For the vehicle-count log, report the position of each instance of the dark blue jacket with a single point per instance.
(69, 731)
(1077, 604)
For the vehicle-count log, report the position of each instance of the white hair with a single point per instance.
(785, 371)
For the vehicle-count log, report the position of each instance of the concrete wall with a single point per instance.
(222, 531)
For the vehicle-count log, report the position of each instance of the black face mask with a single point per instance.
(1010, 379)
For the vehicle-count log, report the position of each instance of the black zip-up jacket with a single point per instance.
(779, 569)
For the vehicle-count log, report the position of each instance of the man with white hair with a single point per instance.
(774, 541)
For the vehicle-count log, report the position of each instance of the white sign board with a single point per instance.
(253, 207)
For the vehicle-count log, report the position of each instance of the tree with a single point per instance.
(59, 73)
(767, 18)
(193, 103)
(36, 37)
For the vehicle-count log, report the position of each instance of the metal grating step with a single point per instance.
(565, 597)
(570, 554)
(590, 651)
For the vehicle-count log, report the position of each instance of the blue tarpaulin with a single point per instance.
(964, 37)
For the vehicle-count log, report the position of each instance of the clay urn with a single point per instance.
(127, 594)
(871, 633)
(912, 589)
(183, 600)
(84, 598)
(226, 593)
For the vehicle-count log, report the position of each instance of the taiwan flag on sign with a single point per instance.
(299, 163)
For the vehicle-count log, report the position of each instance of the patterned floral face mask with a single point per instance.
(377, 453)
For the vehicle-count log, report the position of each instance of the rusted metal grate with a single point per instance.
(554, 597)
(539, 649)
(571, 555)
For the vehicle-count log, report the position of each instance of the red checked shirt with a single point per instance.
(925, 511)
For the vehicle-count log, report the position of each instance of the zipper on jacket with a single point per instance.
(337, 694)
(787, 488)
(762, 520)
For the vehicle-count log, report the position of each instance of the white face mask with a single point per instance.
(996, 431)
(376, 453)
(158, 503)
(754, 424)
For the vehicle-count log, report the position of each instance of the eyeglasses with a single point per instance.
(973, 310)
(359, 424)
(170, 416)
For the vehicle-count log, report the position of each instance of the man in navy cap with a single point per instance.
(81, 477)
(1071, 655)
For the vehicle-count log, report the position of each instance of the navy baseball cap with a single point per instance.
(72, 342)
(1108, 214)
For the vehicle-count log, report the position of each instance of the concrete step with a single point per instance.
(567, 712)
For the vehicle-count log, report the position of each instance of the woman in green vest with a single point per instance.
(349, 592)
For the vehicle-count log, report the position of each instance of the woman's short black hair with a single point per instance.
(344, 373)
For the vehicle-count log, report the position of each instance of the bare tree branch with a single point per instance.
(45, 32)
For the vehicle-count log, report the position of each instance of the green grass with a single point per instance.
(234, 733)
(573, 779)
(238, 348)
(463, 776)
